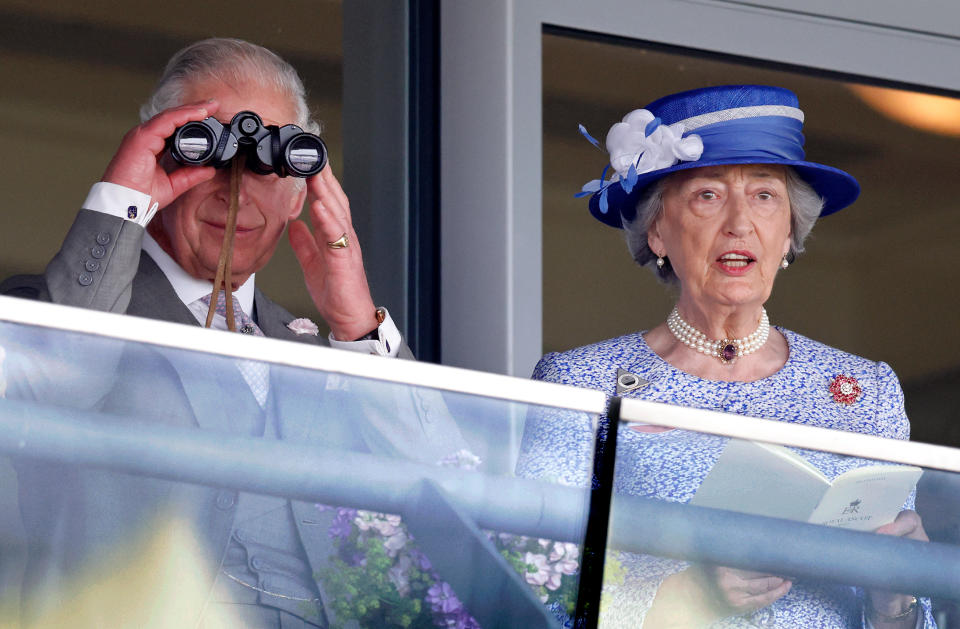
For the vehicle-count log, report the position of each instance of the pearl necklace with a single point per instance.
(726, 350)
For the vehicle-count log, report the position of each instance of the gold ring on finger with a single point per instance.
(340, 243)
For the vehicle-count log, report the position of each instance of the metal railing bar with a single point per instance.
(796, 435)
(291, 470)
(785, 547)
(507, 504)
(196, 339)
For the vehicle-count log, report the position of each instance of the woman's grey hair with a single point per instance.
(232, 62)
(805, 208)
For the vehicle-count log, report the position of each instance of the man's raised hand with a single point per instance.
(136, 164)
(335, 277)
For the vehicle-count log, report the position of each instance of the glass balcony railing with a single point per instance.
(154, 486)
(159, 475)
(700, 497)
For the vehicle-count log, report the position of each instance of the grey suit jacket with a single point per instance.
(75, 516)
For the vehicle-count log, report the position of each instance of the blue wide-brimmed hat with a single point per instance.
(730, 124)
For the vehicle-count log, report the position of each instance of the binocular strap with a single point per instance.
(224, 271)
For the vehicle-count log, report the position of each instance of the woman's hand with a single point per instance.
(743, 591)
(704, 594)
(908, 524)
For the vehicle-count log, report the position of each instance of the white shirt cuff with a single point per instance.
(120, 201)
(387, 344)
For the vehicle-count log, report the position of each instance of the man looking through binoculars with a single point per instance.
(267, 555)
(218, 78)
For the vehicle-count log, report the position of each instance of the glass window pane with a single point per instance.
(78, 74)
(698, 519)
(872, 277)
(146, 473)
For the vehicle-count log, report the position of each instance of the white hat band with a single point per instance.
(737, 113)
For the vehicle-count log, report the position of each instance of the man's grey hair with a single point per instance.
(805, 208)
(232, 62)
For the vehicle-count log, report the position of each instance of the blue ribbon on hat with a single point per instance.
(758, 138)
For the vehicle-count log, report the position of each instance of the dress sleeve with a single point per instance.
(891, 417)
(892, 423)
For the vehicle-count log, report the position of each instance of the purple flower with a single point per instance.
(342, 524)
(442, 599)
(420, 560)
(340, 529)
(358, 559)
(460, 620)
(466, 621)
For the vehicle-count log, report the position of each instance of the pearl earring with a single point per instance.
(784, 263)
(659, 262)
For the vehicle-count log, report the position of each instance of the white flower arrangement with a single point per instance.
(370, 545)
(639, 144)
(641, 141)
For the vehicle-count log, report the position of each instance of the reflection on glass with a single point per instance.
(602, 294)
(194, 143)
(304, 159)
(150, 476)
(712, 531)
(927, 112)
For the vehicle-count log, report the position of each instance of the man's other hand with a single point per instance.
(335, 278)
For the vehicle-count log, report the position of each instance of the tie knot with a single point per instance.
(221, 307)
(242, 321)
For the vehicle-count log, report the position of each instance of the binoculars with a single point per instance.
(286, 150)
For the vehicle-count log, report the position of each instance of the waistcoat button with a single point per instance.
(225, 500)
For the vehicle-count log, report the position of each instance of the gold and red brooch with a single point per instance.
(845, 389)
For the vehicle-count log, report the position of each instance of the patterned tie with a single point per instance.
(255, 373)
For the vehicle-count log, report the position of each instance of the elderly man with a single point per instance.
(100, 265)
(266, 555)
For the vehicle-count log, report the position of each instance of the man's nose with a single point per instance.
(223, 179)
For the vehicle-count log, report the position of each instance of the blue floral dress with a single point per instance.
(671, 465)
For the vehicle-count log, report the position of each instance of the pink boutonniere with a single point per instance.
(303, 326)
(845, 389)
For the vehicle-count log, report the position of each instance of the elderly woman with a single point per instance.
(713, 193)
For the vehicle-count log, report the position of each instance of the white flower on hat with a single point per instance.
(641, 141)
(639, 144)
